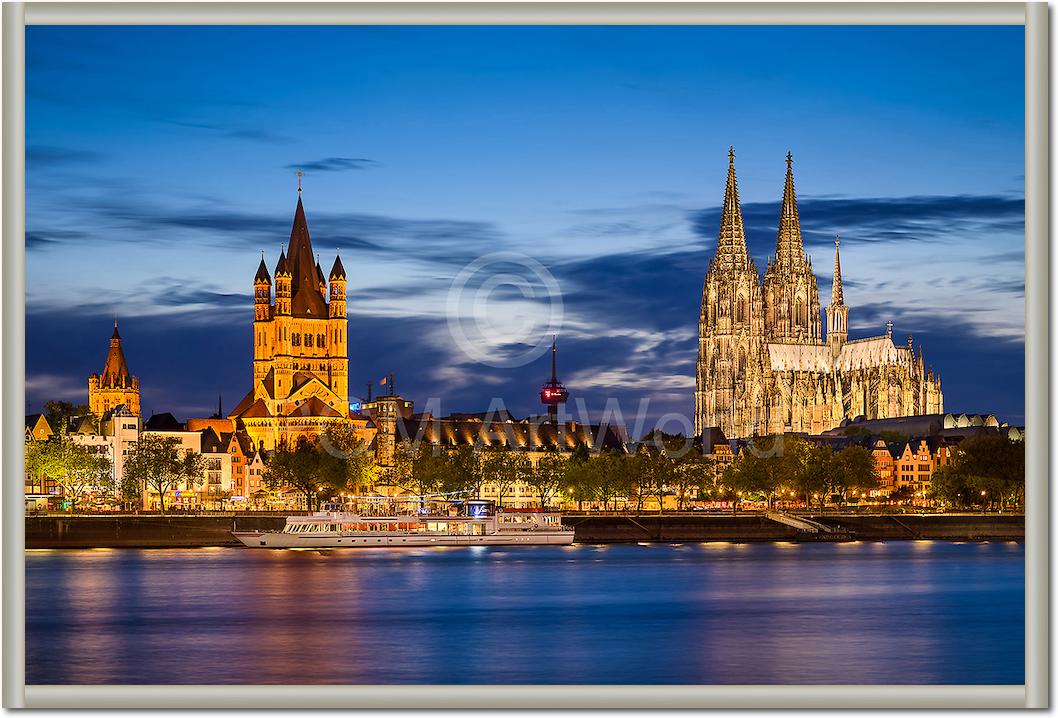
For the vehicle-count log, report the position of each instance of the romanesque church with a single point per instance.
(764, 366)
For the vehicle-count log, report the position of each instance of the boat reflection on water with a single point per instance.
(619, 613)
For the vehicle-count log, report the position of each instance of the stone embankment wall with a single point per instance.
(755, 527)
(141, 531)
(191, 531)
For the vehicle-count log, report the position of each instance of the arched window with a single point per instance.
(742, 363)
(740, 309)
(800, 318)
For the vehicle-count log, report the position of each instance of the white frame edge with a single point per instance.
(1035, 693)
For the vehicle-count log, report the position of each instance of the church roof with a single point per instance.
(115, 370)
(262, 272)
(282, 266)
(313, 406)
(337, 270)
(800, 357)
(243, 405)
(256, 410)
(307, 301)
(870, 352)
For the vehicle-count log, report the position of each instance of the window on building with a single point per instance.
(308, 340)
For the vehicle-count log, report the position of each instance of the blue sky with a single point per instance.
(160, 163)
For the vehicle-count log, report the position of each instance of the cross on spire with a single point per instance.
(299, 181)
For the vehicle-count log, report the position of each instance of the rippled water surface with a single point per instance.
(900, 612)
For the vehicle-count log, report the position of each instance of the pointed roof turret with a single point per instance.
(115, 371)
(337, 270)
(319, 273)
(789, 246)
(731, 242)
(262, 276)
(837, 295)
(282, 269)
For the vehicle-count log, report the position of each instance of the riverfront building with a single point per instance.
(764, 365)
(115, 386)
(300, 347)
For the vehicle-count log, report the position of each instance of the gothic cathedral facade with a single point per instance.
(300, 347)
(764, 365)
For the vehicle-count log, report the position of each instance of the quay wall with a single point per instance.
(756, 527)
(154, 531)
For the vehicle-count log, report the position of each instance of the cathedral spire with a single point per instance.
(837, 296)
(731, 243)
(788, 245)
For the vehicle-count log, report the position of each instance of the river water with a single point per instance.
(702, 613)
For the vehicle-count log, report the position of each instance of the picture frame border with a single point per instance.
(1035, 692)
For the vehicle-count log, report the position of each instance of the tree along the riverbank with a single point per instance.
(795, 467)
(985, 471)
(76, 469)
(160, 464)
(339, 462)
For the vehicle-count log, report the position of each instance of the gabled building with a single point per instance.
(300, 347)
(38, 428)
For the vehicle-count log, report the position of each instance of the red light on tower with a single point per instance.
(553, 392)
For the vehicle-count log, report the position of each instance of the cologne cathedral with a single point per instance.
(764, 366)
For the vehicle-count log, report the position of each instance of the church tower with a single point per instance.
(115, 386)
(837, 312)
(730, 368)
(791, 295)
(300, 350)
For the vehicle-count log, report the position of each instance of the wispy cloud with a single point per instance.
(231, 131)
(334, 164)
(45, 156)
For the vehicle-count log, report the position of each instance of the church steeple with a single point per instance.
(115, 385)
(837, 312)
(115, 371)
(789, 246)
(837, 296)
(307, 299)
(731, 242)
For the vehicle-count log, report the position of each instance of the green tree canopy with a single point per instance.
(160, 464)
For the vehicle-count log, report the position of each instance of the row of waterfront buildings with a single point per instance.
(764, 367)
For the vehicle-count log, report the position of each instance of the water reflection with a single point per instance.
(898, 612)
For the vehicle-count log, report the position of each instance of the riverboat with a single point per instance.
(465, 523)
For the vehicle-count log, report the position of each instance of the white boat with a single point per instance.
(470, 523)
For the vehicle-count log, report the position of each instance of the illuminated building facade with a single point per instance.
(764, 366)
(300, 349)
(115, 386)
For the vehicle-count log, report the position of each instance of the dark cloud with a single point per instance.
(334, 164)
(40, 240)
(46, 157)
(233, 132)
(867, 219)
(441, 241)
